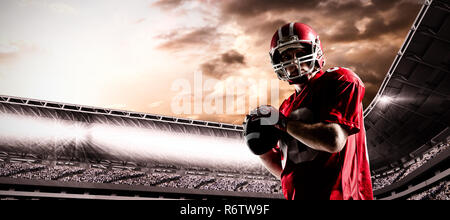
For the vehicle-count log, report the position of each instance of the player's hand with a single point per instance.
(270, 116)
(262, 129)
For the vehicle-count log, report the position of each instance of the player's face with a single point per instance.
(292, 55)
(294, 70)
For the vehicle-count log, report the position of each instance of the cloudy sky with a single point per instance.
(201, 59)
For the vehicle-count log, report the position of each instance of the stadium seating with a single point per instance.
(441, 191)
(399, 173)
(192, 178)
(12, 166)
(168, 176)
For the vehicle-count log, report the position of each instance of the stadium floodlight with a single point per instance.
(21, 131)
(171, 147)
(385, 100)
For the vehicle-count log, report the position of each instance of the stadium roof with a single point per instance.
(41, 104)
(413, 103)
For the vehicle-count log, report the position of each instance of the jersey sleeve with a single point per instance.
(341, 103)
(284, 107)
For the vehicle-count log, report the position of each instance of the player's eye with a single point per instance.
(286, 57)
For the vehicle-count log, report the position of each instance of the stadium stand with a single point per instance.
(440, 191)
(18, 168)
(416, 175)
(398, 173)
(225, 184)
(163, 176)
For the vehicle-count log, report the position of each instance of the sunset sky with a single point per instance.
(135, 55)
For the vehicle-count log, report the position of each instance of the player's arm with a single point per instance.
(328, 137)
(272, 161)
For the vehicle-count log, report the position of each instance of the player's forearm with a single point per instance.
(319, 136)
(272, 161)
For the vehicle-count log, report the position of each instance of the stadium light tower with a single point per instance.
(385, 100)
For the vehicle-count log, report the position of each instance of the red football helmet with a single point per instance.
(296, 35)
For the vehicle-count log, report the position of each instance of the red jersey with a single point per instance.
(334, 96)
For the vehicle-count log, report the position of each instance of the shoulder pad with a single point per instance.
(339, 69)
(344, 74)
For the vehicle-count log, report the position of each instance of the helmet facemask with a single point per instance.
(311, 59)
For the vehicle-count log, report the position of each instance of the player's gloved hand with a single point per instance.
(262, 128)
(270, 116)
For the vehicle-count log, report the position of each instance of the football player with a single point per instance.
(315, 143)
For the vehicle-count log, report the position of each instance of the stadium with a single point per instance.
(52, 150)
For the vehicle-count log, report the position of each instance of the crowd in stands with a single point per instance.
(388, 179)
(439, 192)
(192, 178)
(96, 175)
(225, 184)
(261, 186)
(152, 179)
(50, 173)
(399, 173)
(189, 181)
(9, 169)
(204, 180)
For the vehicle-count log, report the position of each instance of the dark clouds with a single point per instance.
(186, 39)
(223, 65)
(252, 8)
(232, 57)
(167, 4)
(386, 17)
(341, 14)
